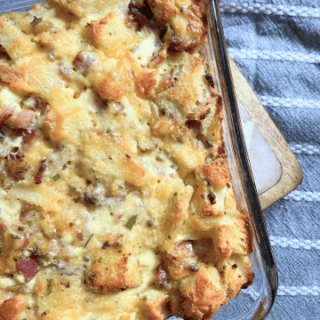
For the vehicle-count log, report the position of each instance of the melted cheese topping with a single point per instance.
(116, 200)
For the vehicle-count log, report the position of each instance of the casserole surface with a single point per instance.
(116, 199)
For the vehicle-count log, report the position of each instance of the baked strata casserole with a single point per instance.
(116, 196)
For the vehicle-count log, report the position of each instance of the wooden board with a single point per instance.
(291, 170)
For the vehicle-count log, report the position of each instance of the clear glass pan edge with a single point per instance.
(264, 288)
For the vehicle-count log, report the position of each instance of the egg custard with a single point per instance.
(116, 199)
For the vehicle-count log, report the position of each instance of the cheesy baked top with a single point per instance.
(116, 200)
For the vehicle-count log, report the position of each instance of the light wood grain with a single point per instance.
(291, 170)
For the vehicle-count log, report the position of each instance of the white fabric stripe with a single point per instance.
(303, 196)
(298, 291)
(305, 149)
(287, 291)
(289, 102)
(293, 11)
(294, 243)
(273, 55)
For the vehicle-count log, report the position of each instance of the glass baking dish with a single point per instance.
(256, 301)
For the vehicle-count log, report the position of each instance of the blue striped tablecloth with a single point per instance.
(276, 44)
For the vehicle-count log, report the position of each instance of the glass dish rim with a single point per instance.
(241, 155)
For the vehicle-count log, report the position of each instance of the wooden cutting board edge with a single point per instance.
(291, 170)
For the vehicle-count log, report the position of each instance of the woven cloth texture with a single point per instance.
(276, 44)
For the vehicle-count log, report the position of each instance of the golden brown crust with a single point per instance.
(156, 310)
(9, 75)
(236, 238)
(97, 27)
(145, 82)
(185, 20)
(163, 9)
(76, 7)
(210, 211)
(164, 127)
(110, 89)
(112, 277)
(10, 309)
(115, 84)
(217, 172)
(236, 273)
(165, 82)
(200, 296)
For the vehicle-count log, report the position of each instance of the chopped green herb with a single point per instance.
(49, 288)
(131, 222)
(88, 240)
(56, 177)
(23, 100)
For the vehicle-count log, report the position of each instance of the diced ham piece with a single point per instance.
(84, 60)
(7, 183)
(66, 72)
(38, 103)
(20, 120)
(16, 120)
(28, 138)
(28, 267)
(161, 276)
(5, 114)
